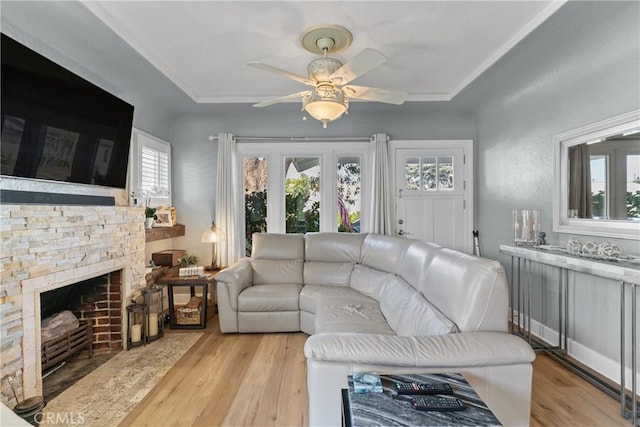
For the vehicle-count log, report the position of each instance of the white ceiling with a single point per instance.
(434, 48)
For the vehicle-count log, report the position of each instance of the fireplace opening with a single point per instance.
(81, 328)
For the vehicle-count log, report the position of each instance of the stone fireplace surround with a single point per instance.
(46, 247)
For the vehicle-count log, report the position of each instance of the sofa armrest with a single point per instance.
(235, 278)
(453, 350)
(229, 284)
(496, 364)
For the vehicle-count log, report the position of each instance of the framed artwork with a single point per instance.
(163, 218)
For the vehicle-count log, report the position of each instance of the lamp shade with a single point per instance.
(326, 104)
(210, 235)
(326, 110)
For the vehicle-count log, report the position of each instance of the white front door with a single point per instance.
(433, 192)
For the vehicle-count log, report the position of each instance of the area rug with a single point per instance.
(105, 396)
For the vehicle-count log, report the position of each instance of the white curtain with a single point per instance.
(381, 219)
(227, 191)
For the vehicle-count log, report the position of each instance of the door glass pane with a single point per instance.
(428, 173)
(255, 198)
(302, 194)
(349, 194)
(598, 170)
(445, 173)
(412, 173)
(633, 186)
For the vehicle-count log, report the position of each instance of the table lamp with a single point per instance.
(210, 235)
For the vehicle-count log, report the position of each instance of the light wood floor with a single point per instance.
(260, 380)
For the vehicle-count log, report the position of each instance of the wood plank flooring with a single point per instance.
(260, 380)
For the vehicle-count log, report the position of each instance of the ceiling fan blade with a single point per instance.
(363, 62)
(376, 94)
(282, 99)
(284, 73)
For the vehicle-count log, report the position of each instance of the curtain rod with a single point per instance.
(297, 138)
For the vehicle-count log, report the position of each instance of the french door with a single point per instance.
(304, 187)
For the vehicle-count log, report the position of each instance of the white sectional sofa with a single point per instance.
(380, 303)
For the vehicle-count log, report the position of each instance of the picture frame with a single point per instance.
(163, 218)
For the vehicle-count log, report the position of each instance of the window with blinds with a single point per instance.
(154, 171)
(151, 177)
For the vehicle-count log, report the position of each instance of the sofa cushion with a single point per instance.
(310, 295)
(333, 247)
(283, 297)
(327, 273)
(269, 271)
(385, 252)
(470, 290)
(277, 246)
(409, 313)
(369, 281)
(363, 317)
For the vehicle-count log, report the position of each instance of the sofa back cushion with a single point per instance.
(416, 260)
(404, 308)
(276, 271)
(384, 252)
(409, 313)
(369, 281)
(327, 273)
(277, 258)
(330, 257)
(333, 247)
(277, 246)
(472, 291)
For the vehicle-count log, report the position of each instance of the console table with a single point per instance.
(387, 408)
(628, 276)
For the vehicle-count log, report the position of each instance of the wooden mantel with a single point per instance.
(159, 233)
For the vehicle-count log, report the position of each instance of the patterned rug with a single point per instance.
(105, 396)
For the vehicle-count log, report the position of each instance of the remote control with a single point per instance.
(423, 388)
(434, 403)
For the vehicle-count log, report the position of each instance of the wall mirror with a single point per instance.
(597, 179)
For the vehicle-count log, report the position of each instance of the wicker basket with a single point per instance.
(187, 316)
(191, 313)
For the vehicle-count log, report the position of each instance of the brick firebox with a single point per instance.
(97, 301)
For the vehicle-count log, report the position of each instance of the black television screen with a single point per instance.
(57, 125)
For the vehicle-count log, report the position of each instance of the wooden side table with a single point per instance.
(182, 317)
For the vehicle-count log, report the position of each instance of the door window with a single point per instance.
(429, 173)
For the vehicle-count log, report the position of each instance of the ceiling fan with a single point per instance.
(328, 98)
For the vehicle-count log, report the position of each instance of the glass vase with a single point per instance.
(526, 225)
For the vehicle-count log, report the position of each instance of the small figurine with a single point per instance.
(541, 239)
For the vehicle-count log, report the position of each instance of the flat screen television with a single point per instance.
(58, 126)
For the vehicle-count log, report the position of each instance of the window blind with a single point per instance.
(154, 171)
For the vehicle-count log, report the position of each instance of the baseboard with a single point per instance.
(603, 365)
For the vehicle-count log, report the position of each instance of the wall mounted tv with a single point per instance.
(58, 126)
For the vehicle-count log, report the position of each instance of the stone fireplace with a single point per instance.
(49, 247)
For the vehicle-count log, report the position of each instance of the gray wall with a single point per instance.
(579, 67)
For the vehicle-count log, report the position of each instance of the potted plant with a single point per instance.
(189, 260)
(150, 216)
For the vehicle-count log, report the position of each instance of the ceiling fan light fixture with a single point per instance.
(326, 104)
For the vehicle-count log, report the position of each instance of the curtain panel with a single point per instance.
(381, 217)
(227, 193)
(580, 180)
